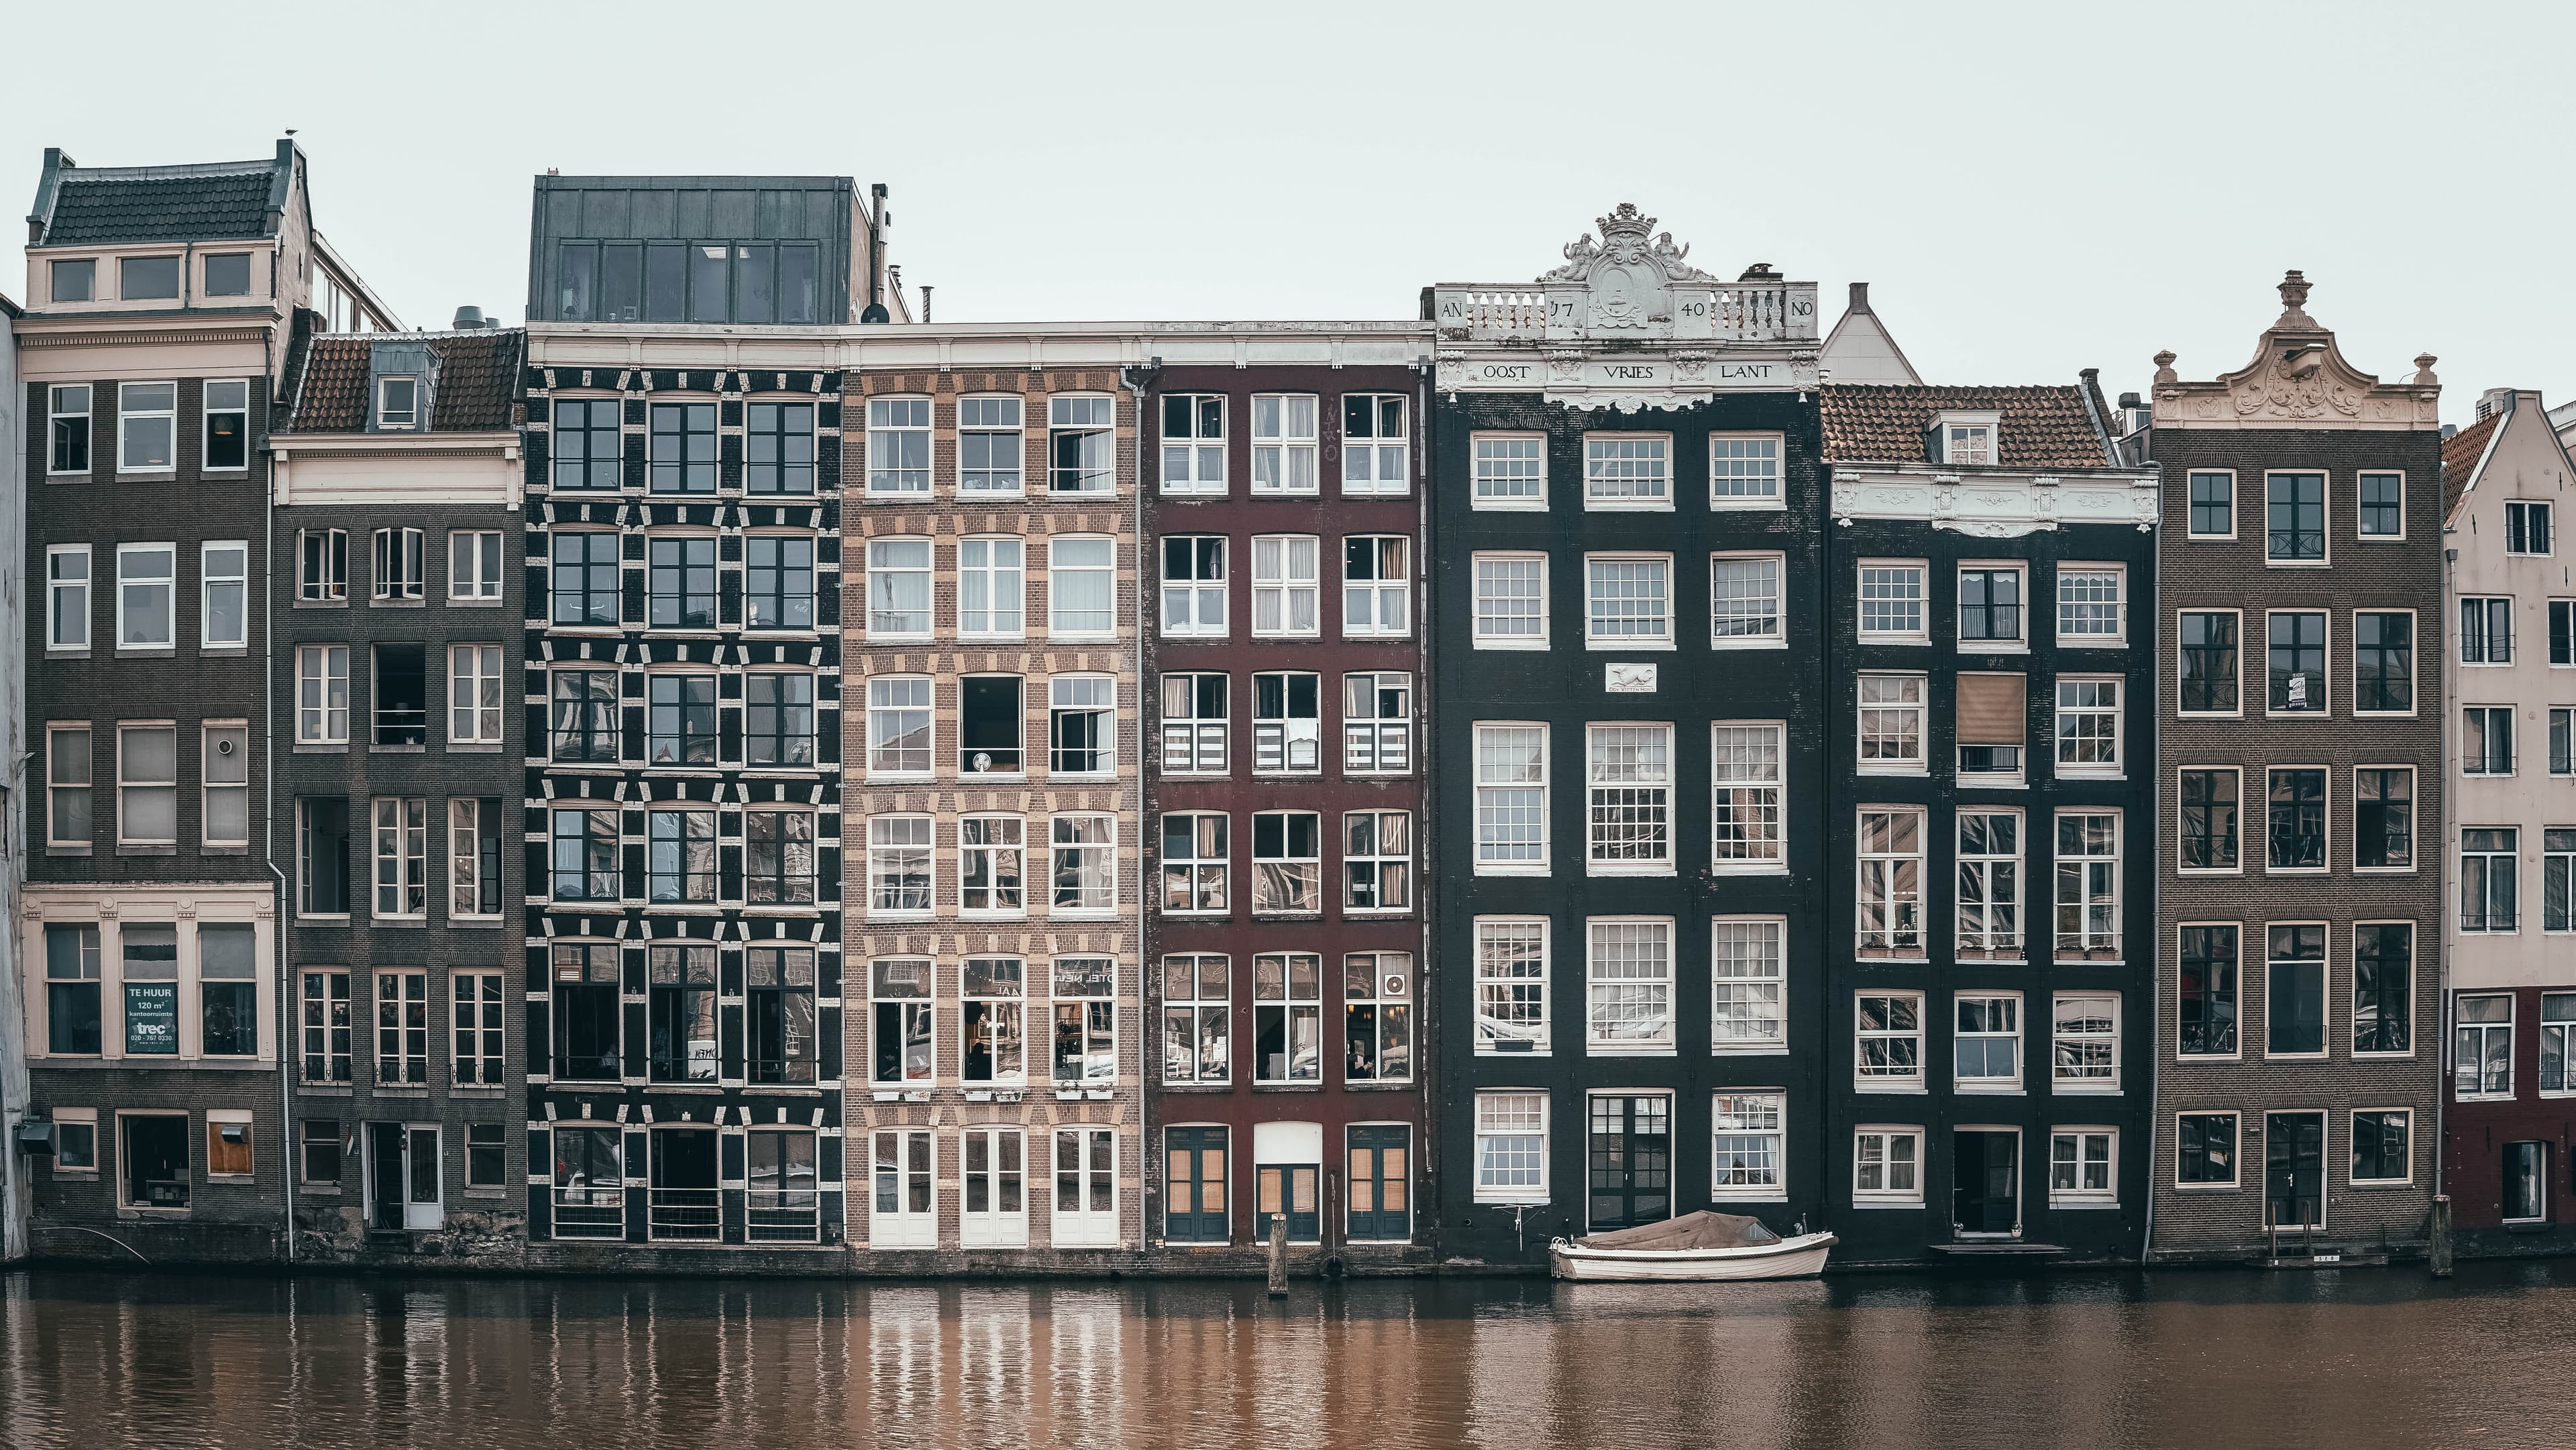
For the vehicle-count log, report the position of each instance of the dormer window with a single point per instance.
(1965, 440)
(397, 402)
(228, 274)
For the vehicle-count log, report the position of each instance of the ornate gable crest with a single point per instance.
(2297, 377)
(1630, 271)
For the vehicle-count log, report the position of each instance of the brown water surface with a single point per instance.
(2352, 1359)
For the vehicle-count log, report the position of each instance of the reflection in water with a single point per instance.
(2366, 1358)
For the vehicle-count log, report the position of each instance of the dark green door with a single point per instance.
(1381, 1196)
(1194, 1185)
(1631, 1161)
(1291, 1186)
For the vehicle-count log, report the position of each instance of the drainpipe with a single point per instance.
(2442, 1064)
(1428, 1027)
(284, 1019)
(2156, 894)
(1136, 380)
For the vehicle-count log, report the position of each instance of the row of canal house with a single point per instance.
(730, 770)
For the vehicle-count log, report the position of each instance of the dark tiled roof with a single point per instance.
(2041, 427)
(2460, 454)
(108, 207)
(477, 374)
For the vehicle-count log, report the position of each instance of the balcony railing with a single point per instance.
(402, 727)
(783, 1216)
(685, 1214)
(590, 1211)
(1755, 311)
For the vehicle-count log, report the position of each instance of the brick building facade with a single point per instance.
(2300, 790)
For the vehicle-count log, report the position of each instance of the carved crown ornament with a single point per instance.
(2298, 378)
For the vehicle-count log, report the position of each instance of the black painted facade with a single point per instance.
(1563, 688)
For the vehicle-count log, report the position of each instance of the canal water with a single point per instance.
(2355, 1359)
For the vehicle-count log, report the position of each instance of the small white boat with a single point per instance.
(1701, 1247)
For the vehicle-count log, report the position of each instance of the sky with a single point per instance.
(2029, 189)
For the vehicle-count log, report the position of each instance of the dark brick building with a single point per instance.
(170, 301)
(397, 598)
(2300, 797)
(1628, 620)
(1991, 577)
(1284, 646)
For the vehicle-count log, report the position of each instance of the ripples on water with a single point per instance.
(2364, 1358)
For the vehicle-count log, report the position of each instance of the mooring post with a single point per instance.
(2441, 1254)
(1279, 1255)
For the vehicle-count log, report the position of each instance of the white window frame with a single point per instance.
(1485, 574)
(1015, 430)
(991, 571)
(2325, 518)
(1642, 780)
(126, 416)
(890, 1163)
(2528, 507)
(1638, 985)
(2352, 1134)
(207, 412)
(2078, 1078)
(2081, 1137)
(1383, 597)
(1733, 773)
(466, 828)
(2463, 1030)
(1392, 899)
(1890, 1081)
(1593, 636)
(55, 413)
(167, 583)
(2233, 503)
(405, 419)
(1012, 841)
(207, 784)
(1286, 728)
(2117, 636)
(126, 782)
(1069, 414)
(1893, 948)
(929, 708)
(1060, 575)
(2082, 708)
(1719, 498)
(881, 578)
(1060, 701)
(884, 857)
(1968, 439)
(2019, 641)
(474, 671)
(1649, 454)
(315, 676)
(56, 756)
(2084, 897)
(398, 836)
(1885, 1137)
(1288, 864)
(1750, 976)
(885, 425)
(2510, 857)
(1491, 1126)
(1498, 940)
(1197, 742)
(2478, 646)
(1279, 583)
(1374, 741)
(1777, 637)
(1083, 1228)
(398, 565)
(1287, 449)
(470, 584)
(1536, 785)
(2235, 1150)
(1201, 455)
(1985, 943)
(2325, 997)
(1890, 718)
(2009, 1002)
(1192, 592)
(59, 588)
(1059, 846)
(2403, 521)
(1377, 446)
(1497, 458)
(1889, 576)
(1757, 1121)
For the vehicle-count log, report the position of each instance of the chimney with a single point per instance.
(1860, 297)
(2494, 401)
(469, 318)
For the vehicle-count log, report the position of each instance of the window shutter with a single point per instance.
(1993, 709)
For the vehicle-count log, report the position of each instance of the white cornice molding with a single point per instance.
(1996, 505)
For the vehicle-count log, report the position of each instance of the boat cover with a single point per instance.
(1701, 1230)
